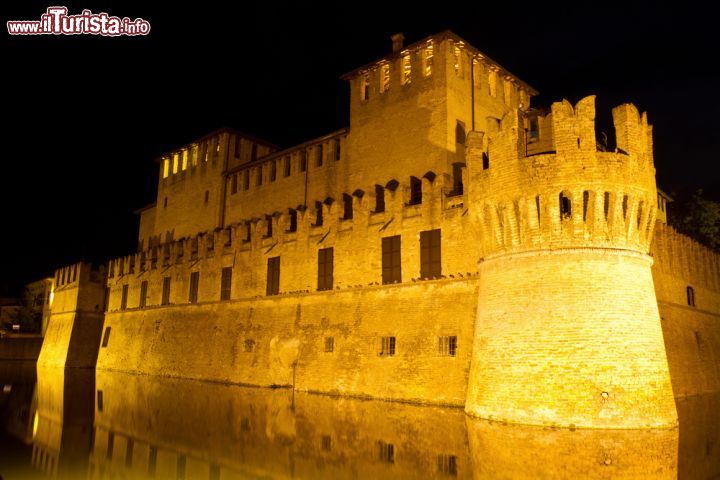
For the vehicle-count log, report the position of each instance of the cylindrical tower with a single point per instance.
(567, 330)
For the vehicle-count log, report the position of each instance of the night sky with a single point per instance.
(86, 116)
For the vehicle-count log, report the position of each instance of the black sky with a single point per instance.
(87, 115)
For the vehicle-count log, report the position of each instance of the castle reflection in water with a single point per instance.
(109, 425)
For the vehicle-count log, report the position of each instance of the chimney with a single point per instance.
(397, 42)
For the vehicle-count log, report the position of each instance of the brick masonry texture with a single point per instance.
(565, 310)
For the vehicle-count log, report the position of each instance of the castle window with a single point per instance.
(386, 452)
(286, 166)
(226, 283)
(625, 207)
(365, 87)
(207, 196)
(690, 291)
(460, 133)
(273, 171)
(184, 157)
(165, 291)
(165, 203)
(565, 207)
(123, 299)
(253, 152)
(415, 191)
(248, 346)
(447, 346)
(325, 269)
(326, 442)
(293, 220)
(405, 69)
(233, 184)
(347, 207)
(639, 213)
(100, 401)
(492, 83)
(204, 151)
(237, 146)
(379, 199)
(246, 180)
(318, 214)
(259, 178)
(143, 294)
(606, 205)
(384, 78)
(303, 160)
(129, 452)
(457, 60)
(248, 230)
(337, 149)
(175, 163)
(387, 346)
(106, 337)
(273, 276)
(166, 168)
(268, 226)
(428, 59)
(457, 179)
(319, 155)
(194, 284)
(485, 161)
(534, 130)
(430, 254)
(391, 264)
(329, 344)
(586, 201)
(507, 91)
(447, 464)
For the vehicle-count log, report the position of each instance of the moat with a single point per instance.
(79, 424)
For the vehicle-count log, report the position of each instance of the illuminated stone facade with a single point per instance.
(452, 246)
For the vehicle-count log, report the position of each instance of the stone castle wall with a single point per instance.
(692, 332)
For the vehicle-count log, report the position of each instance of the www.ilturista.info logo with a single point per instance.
(56, 21)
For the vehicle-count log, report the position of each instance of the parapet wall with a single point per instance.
(691, 326)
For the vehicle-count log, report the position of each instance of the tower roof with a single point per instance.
(439, 37)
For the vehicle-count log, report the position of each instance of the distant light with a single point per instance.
(7, 388)
(52, 296)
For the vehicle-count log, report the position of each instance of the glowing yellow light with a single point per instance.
(52, 296)
(36, 420)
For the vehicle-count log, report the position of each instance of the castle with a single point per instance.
(452, 246)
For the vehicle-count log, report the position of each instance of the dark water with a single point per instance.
(74, 424)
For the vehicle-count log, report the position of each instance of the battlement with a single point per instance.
(679, 255)
(573, 195)
(352, 217)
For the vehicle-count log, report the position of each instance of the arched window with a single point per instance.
(565, 207)
(379, 198)
(486, 161)
(415, 191)
(457, 179)
(347, 207)
(460, 133)
(690, 296)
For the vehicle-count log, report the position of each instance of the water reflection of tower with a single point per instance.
(63, 422)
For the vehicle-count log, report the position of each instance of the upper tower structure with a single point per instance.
(568, 329)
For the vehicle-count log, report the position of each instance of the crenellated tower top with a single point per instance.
(545, 182)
